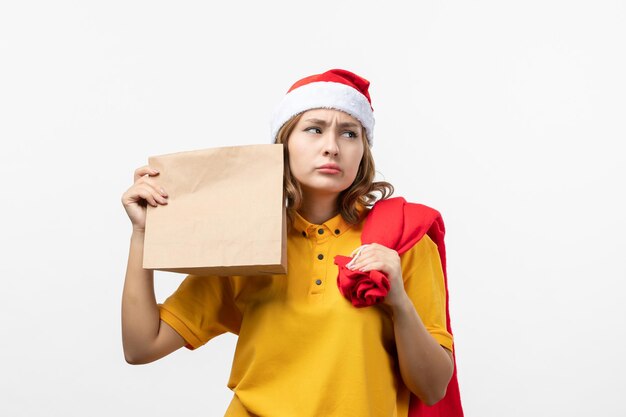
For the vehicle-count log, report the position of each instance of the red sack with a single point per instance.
(399, 225)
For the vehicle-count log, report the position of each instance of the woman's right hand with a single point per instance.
(144, 191)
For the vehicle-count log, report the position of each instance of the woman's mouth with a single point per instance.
(329, 169)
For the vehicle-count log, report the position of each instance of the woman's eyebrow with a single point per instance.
(317, 121)
(324, 123)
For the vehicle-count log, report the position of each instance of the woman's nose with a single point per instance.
(331, 145)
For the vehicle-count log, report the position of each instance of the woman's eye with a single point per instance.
(313, 130)
(350, 134)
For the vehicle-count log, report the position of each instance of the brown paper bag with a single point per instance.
(225, 213)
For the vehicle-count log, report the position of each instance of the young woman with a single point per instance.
(303, 348)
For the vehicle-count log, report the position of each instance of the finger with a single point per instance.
(145, 170)
(369, 254)
(149, 196)
(376, 248)
(138, 193)
(157, 194)
(148, 193)
(372, 266)
(364, 260)
(375, 256)
(153, 184)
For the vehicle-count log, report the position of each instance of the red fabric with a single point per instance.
(363, 289)
(399, 225)
(338, 76)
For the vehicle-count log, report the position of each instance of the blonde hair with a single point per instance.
(361, 192)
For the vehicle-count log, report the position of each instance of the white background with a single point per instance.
(508, 117)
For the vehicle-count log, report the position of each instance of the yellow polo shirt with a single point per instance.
(303, 350)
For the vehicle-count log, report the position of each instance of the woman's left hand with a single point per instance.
(376, 257)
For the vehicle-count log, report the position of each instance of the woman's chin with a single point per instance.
(324, 187)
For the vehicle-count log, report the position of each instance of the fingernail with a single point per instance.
(163, 192)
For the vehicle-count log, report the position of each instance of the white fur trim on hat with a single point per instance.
(324, 95)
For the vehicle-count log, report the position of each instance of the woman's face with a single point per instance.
(325, 150)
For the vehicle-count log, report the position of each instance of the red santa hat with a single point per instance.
(334, 89)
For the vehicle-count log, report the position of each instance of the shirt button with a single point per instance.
(318, 282)
(320, 256)
(303, 233)
(320, 231)
(337, 231)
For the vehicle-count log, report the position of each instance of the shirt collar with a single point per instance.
(336, 226)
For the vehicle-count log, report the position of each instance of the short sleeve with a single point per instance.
(201, 308)
(425, 286)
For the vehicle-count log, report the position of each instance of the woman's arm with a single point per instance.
(145, 337)
(425, 366)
